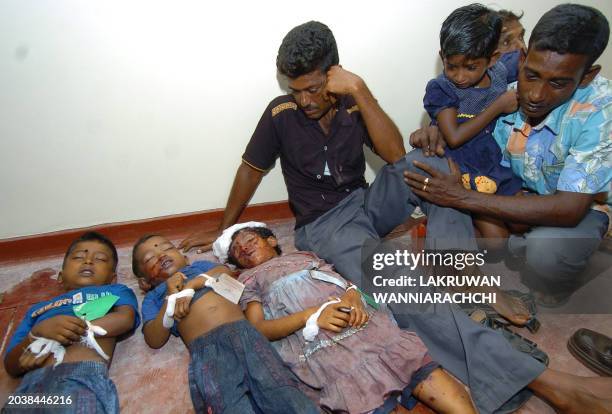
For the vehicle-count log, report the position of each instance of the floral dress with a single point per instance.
(351, 371)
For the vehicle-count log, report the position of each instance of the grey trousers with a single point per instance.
(478, 356)
(556, 256)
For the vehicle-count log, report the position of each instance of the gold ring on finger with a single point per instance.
(426, 181)
(425, 187)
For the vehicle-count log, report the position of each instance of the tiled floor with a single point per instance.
(155, 381)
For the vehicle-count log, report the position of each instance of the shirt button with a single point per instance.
(347, 190)
(318, 176)
(325, 148)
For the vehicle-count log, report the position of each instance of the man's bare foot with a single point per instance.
(511, 308)
(571, 394)
(589, 395)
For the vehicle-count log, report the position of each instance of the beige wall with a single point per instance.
(123, 110)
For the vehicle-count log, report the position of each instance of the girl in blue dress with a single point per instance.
(468, 97)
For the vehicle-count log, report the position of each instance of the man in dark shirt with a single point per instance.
(318, 131)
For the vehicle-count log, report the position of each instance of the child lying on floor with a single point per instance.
(233, 368)
(72, 370)
(350, 365)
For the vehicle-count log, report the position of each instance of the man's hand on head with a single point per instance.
(442, 189)
(342, 82)
(200, 240)
(429, 139)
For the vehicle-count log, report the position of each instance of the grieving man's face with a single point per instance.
(309, 93)
(548, 79)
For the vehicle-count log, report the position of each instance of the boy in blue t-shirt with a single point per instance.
(233, 368)
(468, 97)
(81, 379)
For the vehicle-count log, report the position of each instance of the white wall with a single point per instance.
(115, 110)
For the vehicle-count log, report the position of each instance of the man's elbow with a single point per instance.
(572, 216)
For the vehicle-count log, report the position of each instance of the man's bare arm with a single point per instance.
(385, 135)
(245, 183)
(562, 209)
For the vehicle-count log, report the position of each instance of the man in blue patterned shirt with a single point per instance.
(559, 143)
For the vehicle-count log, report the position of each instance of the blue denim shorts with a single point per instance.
(86, 382)
(234, 369)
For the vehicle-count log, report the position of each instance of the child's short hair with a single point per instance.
(262, 232)
(93, 236)
(472, 31)
(305, 48)
(135, 267)
(572, 28)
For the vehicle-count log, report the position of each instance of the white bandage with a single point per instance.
(42, 346)
(89, 339)
(311, 330)
(168, 320)
(222, 244)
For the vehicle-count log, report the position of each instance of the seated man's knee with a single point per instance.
(552, 257)
(440, 163)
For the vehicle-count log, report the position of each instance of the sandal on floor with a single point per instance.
(532, 325)
(519, 343)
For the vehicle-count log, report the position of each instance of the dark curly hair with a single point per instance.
(262, 232)
(572, 28)
(510, 16)
(305, 48)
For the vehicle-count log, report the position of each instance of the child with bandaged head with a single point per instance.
(232, 367)
(57, 350)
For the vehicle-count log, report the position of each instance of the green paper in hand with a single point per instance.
(95, 309)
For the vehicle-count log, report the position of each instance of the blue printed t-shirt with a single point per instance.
(62, 305)
(571, 150)
(154, 300)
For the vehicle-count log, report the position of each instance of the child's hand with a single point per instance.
(181, 309)
(28, 361)
(358, 314)
(196, 283)
(332, 318)
(175, 282)
(508, 102)
(64, 329)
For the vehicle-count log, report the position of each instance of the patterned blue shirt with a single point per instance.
(571, 150)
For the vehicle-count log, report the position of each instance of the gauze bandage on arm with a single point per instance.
(89, 339)
(311, 330)
(42, 346)
(168, 320)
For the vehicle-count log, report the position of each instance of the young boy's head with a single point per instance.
(513, 33)
(252, 246)
(91, 260)
(155, 259)
(563, 48)
(468, 44)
